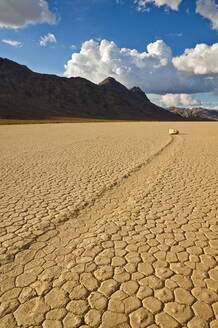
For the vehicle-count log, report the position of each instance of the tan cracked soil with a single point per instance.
(109, 225)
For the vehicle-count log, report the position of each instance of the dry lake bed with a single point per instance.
(109, 225)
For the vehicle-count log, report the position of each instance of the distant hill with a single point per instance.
(196, 113)
(28, 95)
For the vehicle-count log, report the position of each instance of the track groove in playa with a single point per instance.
(144, 254)
(10, 257)
(77, 212)
(50, 222)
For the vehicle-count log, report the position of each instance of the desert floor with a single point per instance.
(109, 225)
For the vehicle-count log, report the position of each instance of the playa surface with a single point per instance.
(110, 225)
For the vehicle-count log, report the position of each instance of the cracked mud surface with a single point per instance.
(109, 225)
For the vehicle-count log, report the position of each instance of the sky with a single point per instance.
(169, 48)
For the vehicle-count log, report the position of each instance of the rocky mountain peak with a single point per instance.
(111, 83)
(139, 94)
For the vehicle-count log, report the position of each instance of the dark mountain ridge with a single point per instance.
(28, 95)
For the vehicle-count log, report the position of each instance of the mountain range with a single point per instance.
(26, 95)
(195, 113)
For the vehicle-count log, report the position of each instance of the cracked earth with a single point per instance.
(109, 225)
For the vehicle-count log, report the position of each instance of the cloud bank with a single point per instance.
(154, 70)
(209, 10)
(206, 8)
(200, 60)
(170, 100)
(19, 13)
(172, 4)
(49, 38)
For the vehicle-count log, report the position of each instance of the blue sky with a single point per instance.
(55, 38)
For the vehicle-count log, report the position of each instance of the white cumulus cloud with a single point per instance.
(18, 13)
(13, 43)
(97, 60)
(203, 59)
(172, 4)
(170, 100)
(209, 10)
(49, 38)
(152, 70)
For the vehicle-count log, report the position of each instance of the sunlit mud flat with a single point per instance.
(109, 225)
(49, 171)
